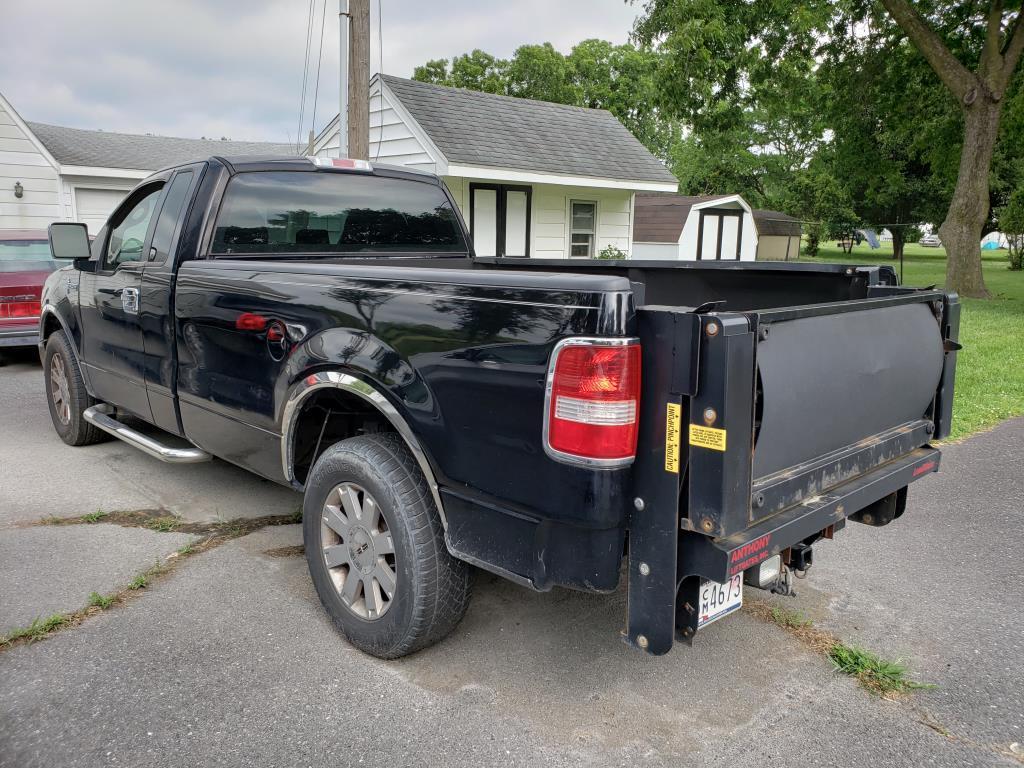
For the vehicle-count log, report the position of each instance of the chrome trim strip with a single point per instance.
(568, 458)
(99, 415)
(347, 383)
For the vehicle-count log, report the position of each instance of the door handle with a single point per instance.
(130, 301)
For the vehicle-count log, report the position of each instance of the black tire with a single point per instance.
(431, 588)
(75, 430)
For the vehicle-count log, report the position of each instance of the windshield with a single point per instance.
(334, 213)
(27, 256)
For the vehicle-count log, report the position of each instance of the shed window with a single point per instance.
(583, 226)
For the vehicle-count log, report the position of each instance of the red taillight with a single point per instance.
(11, 307)
(249, 321)
(594, 401)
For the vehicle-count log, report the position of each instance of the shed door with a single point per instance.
(720, 234)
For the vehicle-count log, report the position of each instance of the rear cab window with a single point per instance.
(281, 212)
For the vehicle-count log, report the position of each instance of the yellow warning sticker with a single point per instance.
(707, 437)
(672, 435)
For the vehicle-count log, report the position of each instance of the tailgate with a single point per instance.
(761, 429)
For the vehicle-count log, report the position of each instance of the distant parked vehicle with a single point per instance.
(25, 263)
(930, 241)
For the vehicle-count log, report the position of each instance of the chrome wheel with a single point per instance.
(59, 392)
(358, 551)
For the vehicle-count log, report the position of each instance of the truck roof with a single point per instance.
(249, 163)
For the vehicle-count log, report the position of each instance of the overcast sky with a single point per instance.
(234, 68)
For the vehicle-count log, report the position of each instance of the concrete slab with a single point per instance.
(231, 662)
(942, 587)
(42, 476)
(52, 569)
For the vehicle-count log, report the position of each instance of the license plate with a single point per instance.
(718, 600)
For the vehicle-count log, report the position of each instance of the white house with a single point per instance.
(51, 173)
(685, 228)
(531, 178)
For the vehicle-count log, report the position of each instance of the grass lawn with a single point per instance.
(990, 368)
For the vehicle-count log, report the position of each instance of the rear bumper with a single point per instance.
(661, 616)
(21, 335)
(720, 559)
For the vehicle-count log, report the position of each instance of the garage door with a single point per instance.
(95, 205)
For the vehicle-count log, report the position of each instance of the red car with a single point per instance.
(25, 262)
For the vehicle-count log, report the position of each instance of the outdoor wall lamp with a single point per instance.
(19, 190)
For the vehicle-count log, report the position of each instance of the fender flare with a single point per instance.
(347, 383)
(48, 310)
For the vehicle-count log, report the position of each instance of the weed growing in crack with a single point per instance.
(94, 517)
(164, 524)
(873, 672)
(139, 582)
(96, 600)
(38, 629)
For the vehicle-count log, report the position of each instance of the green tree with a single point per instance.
(540, 72)
(434, 71)
(820, 200)
(742, 77)
(887, 123)
(623, 80)
(479, 71)
(978, 77)
(1011, 222)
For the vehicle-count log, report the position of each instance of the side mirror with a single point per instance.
(70, 240)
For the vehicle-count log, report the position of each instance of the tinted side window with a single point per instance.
(174, 202)
(331, 213)
(130, 228)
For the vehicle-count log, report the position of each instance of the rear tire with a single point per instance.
(371, 528)
(66, 393)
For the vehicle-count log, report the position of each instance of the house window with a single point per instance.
(583, 229)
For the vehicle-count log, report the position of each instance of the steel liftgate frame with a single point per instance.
(693, 489)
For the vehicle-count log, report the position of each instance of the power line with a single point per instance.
(319, 60)
(305, 77)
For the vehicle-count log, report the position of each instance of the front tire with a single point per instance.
(66, 393)
(375, 548)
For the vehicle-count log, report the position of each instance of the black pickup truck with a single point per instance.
(325, 324)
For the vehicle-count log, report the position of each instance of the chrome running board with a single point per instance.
(99, 415)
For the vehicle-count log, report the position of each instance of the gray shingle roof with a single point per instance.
(104, 149)
(474, 128)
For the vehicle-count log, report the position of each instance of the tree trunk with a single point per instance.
(969, 209)
(898, 241)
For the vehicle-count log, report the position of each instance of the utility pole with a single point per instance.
(343, 22)
(358, 123)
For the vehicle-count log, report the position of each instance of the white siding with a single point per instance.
(549, 220)
(688, 238)
(392, 139)
(656, 251)
(21, 161)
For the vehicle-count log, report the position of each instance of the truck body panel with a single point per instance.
(777, 399)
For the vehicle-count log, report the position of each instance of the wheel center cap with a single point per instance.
(360, 550)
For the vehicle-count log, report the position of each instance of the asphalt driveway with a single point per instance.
(230, 661)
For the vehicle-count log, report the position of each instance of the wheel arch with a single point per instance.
(302, 395)
(50, 321)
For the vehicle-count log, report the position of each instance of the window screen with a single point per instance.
(302, 212)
